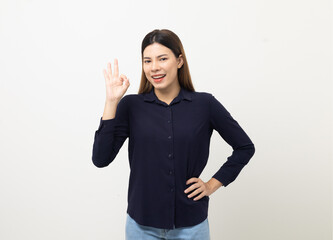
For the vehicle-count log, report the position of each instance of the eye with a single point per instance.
(163, 59)
(146, 61)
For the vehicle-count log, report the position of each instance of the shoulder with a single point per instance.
(210, 97)
(130, 99)
(208, 100)
(201, 96)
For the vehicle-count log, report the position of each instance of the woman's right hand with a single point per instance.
(116, 85)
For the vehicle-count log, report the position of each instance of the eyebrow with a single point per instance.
(158, 56)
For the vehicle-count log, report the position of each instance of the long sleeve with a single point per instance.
(235, 136)
(110, 136)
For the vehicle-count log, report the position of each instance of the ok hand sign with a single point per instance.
(116, 85)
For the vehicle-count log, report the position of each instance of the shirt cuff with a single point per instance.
(106, 124)
(222, 177)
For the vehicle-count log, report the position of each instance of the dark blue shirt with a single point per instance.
(169, 144)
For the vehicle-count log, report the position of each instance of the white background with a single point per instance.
(268, 62)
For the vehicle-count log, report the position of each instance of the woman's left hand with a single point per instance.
(201, 187)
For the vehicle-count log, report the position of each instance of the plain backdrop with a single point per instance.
(268, 62)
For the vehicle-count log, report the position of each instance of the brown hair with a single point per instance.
(170, 40)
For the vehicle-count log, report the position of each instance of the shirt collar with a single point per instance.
(183, 94)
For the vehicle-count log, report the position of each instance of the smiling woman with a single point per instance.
(161, 70)
(163, 54)
(169, 126)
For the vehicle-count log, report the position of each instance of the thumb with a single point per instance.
(126, 81)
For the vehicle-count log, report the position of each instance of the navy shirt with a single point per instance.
(169, 144)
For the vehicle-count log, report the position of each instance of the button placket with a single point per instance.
(171, 148)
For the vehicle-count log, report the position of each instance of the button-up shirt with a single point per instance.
(169, 144)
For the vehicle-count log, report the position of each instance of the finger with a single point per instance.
(196, 192)
(192, 187)
(127, 83)
(124, 81)
(192, 180)
(115, 67)
(106, 76)
(123, 77)
(109, 70)
(200, 196)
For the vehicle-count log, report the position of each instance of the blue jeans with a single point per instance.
(135, 231)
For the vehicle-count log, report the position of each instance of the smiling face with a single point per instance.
(161, 66)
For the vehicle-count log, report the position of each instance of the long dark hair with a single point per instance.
(170, 40)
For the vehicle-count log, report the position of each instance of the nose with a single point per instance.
(155, 66)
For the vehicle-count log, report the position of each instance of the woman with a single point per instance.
(169, 126)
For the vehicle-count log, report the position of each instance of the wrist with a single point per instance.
(214, 184)
(112, 101)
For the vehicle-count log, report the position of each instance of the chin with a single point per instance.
(157, 85)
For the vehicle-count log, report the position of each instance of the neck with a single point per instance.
(167, 95)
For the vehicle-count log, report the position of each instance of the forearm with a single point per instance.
(214, 184)
(235, 163)
(110, 109)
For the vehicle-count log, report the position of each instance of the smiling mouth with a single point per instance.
(159, 77)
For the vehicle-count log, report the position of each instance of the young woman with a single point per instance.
(169, 126)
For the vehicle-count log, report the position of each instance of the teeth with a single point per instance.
(158, 77)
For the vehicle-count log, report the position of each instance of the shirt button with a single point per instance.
(170, 172)
(172, 189)
(169, 137)
(170, 155)
(168, 121)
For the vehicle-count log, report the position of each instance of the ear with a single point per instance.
(180, 61)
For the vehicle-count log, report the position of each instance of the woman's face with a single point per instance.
(158, 61)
